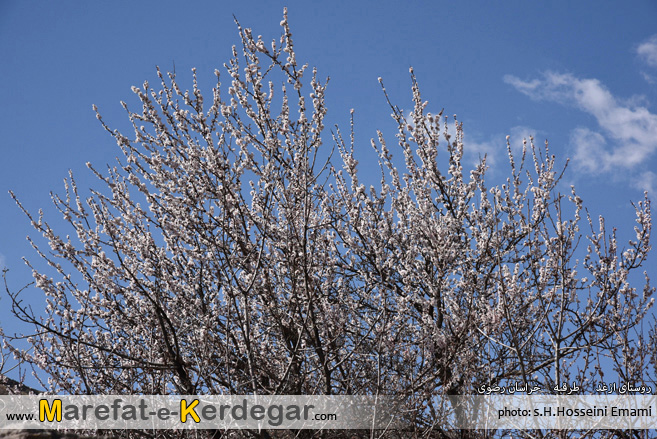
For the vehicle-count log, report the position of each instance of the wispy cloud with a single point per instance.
(475, 150)
(645, 181)
(627, 134)
(494, 148)
(647, 51)
(590, 149)
(519, 134)
(650, 79)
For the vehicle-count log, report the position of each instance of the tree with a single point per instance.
(226, 253)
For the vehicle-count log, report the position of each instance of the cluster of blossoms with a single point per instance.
(229, 254)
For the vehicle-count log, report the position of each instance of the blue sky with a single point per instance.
(581, 74)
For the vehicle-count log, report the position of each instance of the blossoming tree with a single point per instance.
(232, 251)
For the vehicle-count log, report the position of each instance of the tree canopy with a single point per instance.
(234, 248)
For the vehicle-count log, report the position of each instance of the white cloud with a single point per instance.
(650, 79)
(646, 181)
(648, 51)
(527, 87)
(590, 152)
(518, 135)
(475, 151)
(495, 148)
(632, 127)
